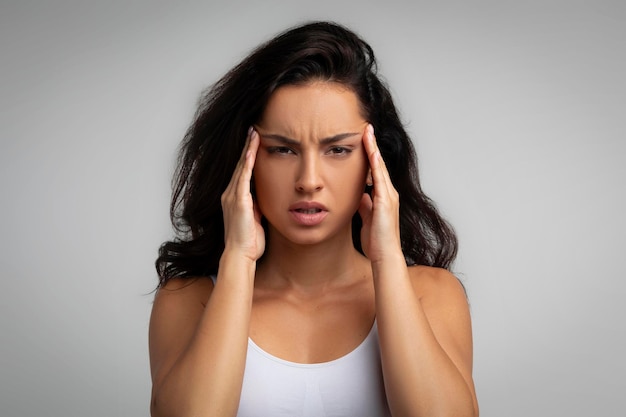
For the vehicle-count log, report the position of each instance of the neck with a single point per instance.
(311, 267)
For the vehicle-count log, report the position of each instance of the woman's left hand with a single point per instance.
(380, 235)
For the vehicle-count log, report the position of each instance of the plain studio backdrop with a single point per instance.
(517, 111)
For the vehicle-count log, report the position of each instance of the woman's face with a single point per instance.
(311, 166)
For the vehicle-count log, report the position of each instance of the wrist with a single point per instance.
(388, 262)
(388, 257)
(236, 263)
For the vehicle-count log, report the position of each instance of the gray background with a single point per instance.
(518, 113)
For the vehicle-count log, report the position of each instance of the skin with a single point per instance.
(312, 298)
(296, 161)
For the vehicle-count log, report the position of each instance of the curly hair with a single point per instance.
(317, 51)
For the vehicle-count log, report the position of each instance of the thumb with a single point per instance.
(257, 211)
(365, 208)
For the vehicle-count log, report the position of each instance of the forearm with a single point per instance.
(420, 378)
(207, 377)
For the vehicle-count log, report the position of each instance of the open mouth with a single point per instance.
(308, 211)
(308, 216)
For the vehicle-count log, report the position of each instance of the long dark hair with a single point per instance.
(318, 51)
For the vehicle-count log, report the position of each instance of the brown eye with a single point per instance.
(282, 150)
(339, 150)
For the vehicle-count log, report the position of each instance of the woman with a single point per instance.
(310, 275)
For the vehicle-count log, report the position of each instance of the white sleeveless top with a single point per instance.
(351, 386)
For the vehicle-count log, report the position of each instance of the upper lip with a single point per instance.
(307, 205)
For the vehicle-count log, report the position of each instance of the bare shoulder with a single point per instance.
(432, 283)
(444, 302)
(179, 300)
(176, 312)
(180, 297)
(190, 289)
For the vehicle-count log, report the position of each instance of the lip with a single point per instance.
(308, 213)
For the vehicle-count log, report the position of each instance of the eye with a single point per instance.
(339, 150)
(281, 150)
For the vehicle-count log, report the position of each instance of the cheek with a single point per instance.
(353, 176)
(358, 170)
(267, 183)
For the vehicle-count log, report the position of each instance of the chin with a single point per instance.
(310, 236)
(304, 238)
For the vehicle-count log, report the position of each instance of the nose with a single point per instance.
(309, 178)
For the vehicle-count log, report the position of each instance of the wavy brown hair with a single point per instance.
(317, 51)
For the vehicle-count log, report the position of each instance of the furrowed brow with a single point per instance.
(279, 138)
(337, 138)
(325, 141)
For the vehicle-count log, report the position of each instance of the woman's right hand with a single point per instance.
(199, 331)
(243, 233)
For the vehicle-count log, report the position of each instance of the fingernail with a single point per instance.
(250, 129)
(370, 129)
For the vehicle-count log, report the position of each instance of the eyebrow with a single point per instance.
(325, 141)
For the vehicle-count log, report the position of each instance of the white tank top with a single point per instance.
(349, 386)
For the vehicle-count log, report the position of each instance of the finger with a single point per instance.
(240, 163)
(380, 175)
(370, 147)
(257, 212)
(249, 160)
(244, 152)
(365, 208)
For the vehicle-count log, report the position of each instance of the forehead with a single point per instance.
(317, 106)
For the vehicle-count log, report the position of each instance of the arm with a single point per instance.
(199, 332)
(422, 315)
(426, 341)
